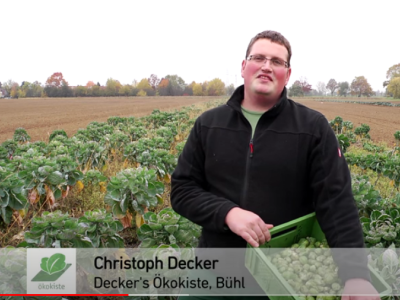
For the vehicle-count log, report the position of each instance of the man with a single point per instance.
(262, 160)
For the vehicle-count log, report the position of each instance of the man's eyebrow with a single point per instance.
(268, 56)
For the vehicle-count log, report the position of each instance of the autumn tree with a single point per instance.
(8, 85)
(332, 86)
(216, 87)
(154, 81)
(14, 90)
(197, 89)
(343, 88)
(321, 88)
(28, 89)
(162, 88)
(295, 90)
(394, 87)
(305, 86)
(176, 85)
(204, 86)
(80, 91)
(112, 87)
(394, 71)
(360, 86)
(95, 91)
(90, 84)
(126, 90)
(57, 86)
(145, 86)
(56, 80)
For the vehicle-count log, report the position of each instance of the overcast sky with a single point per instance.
(197, 40)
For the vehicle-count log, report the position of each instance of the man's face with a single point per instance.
(265, 79)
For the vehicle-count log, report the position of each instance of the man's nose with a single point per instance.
(266, 65)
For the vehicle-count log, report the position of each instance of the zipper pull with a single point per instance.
(251, 148)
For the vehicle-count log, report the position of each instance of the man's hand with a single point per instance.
(249, 226)
(359, 289)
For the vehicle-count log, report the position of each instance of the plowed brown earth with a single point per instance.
(384, 121)
(40, 116)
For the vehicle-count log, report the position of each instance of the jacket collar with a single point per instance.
(237, 97)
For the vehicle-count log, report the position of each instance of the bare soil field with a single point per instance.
(384, 121)
(40, 116)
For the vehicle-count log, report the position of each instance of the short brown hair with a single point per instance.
(274, 37)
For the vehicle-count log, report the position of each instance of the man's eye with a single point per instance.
(277, 62)
(259, 58)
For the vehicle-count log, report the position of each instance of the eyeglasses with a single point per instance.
(275, 62)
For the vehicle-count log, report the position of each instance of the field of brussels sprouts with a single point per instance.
(108, 186)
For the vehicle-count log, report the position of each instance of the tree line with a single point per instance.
(358, 87)
(170, 85)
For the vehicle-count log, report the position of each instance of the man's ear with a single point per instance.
(243, 66)
(289, 72)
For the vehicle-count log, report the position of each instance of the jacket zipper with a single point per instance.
(246, 174)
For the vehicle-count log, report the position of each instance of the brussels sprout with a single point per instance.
(306, 267)
(319, 282)
(297, 286)
(313, 291)
(304, 289)
(320, 258)
(317, 277)
(311, 283)
(294, 256)
(329, 279)
(335, 287)
(286, 253)
(310, 298)
(295, 246)
(313, 268)
(287, 275)
(329, 261)
(297, 268)
(303, 259)
(312, 255)
(321, 271)
(282, 269)
(304, 277)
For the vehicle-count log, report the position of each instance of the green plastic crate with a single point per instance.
(266, 274)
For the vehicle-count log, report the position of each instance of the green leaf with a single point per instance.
(6, 214)
(171, 228)
(116, 209)
(147, 243)
(18, 201)
(57, 194)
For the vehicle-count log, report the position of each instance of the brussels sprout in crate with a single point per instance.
(167, 227)
(304, 268)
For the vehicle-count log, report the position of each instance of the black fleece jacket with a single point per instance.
(293, 166)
